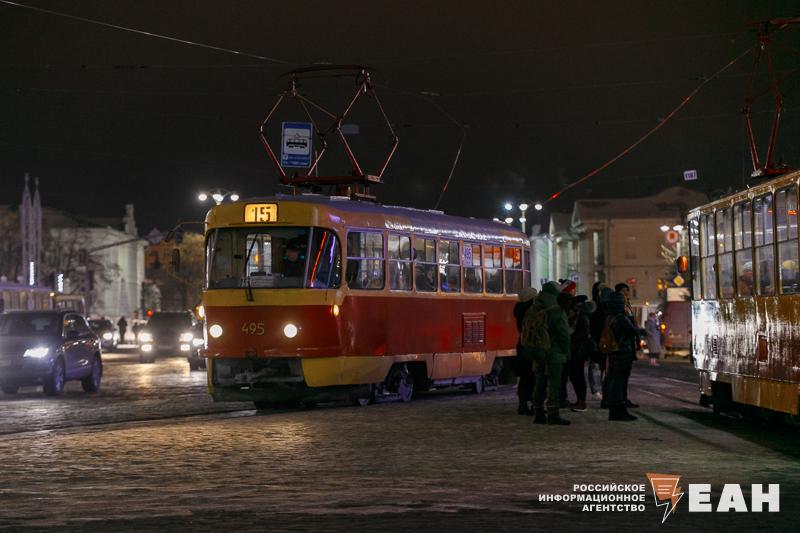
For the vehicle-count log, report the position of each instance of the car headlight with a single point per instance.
(108, 336)
(145, 337)
(187, 337)
(198, 342)
(38, 352)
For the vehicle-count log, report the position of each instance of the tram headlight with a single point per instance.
(335, 310)
(290, 330)
(215, 331)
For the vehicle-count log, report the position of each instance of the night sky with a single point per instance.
(547, 91)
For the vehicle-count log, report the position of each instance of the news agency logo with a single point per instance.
(667, 493)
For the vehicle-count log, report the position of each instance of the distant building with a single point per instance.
(101, 258)
(612, 241)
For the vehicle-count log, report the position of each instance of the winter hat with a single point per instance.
(616, 304)
(552, 288)
(527, 294)
(568, 286)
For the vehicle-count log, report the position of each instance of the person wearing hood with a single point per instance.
(548, 365)
(620, 360)
(597, 360)
(582, 347)
(523, 366)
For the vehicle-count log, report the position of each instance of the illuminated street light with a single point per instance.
(677, 227)
(218, 195)
(538, 206)
(509, 221)
(509, 206)
(665, 228)
(523, 207)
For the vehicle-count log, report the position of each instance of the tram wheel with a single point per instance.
(402, 381)
(363, 397)
(477, 386)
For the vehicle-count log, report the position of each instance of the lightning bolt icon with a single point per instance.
(666, 492)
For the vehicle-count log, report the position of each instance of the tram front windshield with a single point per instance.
(272, 257)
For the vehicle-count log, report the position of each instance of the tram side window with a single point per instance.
(765, 253)
(365, 260)
(493, 268)
(725, 252)
(449, 266)
(786, 232)
(743, 240)
(526, 265)
(513, 269)
(473, 274)
(325, 267)
(694, 249)
(399, 250)
(425, 264)
(707, 263)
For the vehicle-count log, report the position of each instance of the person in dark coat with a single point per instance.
(524, 366)
(622, 288)
(597, 360)
(548, 367)
(122, 324)
(621, 360)
(582, 346)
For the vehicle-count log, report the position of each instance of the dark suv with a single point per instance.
(48, 348)
(171, 333)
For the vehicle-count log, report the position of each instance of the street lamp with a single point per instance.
(664, 228)
(218, 195)
(538, 206)
(509, 220)
(523, 208)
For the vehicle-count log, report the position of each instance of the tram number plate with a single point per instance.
(253, 328)
(260, 212)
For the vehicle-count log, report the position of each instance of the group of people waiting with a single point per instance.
(560, 332)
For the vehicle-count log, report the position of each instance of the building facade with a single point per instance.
(613, 241)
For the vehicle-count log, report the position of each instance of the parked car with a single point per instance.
(107, 331)
(48, 348)
(171, 333)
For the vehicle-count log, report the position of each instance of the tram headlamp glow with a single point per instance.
(201, 311)
(108, 335)
(186, 337)
(215, 331)
(37, 353)
(145, 337)
(290, 330)
(335, 310)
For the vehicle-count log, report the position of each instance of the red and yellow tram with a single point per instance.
(312, 297)
(746, 298)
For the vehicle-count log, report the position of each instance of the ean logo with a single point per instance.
(666, 492)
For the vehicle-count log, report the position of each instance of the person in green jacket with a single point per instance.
(549, 367)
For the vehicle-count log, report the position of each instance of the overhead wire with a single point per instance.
(145, 33)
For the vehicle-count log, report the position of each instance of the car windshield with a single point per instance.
(30, 324)
(272, 257)
(170, 321)
(100, 324)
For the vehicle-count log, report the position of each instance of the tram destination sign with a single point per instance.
(296, 144)
(260, 212)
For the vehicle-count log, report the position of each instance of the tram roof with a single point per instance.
(426, 221)
(758, 189)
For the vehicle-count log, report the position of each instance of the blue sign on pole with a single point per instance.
(296, 144)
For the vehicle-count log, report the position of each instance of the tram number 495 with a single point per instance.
(253, 328)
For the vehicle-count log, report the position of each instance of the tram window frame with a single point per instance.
(743, 245)
(708, 267)
(372, 283)
(449, 266)
(786, 238)
(526, 268)
(513, 272)
(474, 267)
(426, 266)
(400, 268)
(493, 267)
(764, 237)
(724, 240)
(694, 257)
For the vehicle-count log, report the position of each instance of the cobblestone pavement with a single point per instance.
(447, 461)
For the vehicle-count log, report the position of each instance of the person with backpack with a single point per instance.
(617, 339)
(523, 366)
(545, 337)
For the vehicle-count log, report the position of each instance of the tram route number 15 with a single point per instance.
(253, 328)
(261, 212)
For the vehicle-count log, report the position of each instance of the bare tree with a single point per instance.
(10, 244)
(181, 289)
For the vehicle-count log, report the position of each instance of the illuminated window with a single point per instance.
(473, 273)
(694, 252)
(399, 252)
(725, 252)
(449, 266)
(765, 253)
(707, 262)
(743, 239)
(493, 268)
(786, 232)
(425, 270)
(365, 260)
(513, 269)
